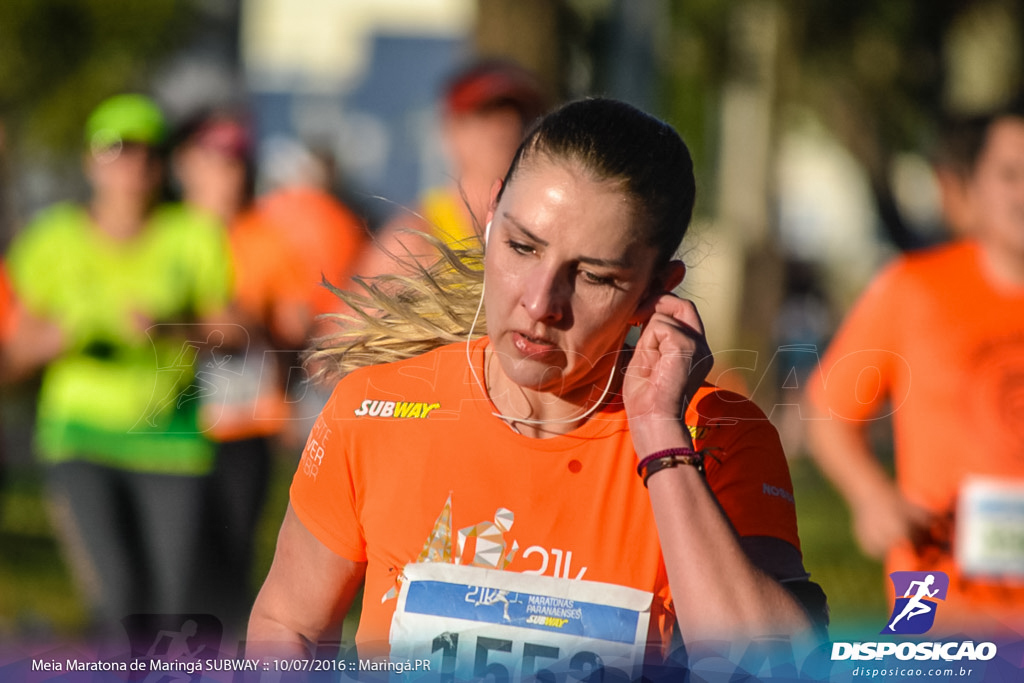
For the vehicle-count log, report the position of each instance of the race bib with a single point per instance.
(473, 623)
(990, 528)
(239, 390)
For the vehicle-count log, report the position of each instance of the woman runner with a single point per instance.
(480, 478)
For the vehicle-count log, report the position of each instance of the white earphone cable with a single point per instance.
(526, 420)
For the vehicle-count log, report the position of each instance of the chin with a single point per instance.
(530, 374)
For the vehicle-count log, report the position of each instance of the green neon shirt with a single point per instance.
(121, 393)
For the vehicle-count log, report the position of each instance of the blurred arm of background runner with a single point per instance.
(882, 517)
(27, 342)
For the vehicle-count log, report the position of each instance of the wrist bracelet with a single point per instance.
(670, 457)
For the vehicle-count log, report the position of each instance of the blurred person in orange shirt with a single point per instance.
(327, 234)
(8, 319)
(959, 139)
(244, 405)
(939, 335)
(486, 109)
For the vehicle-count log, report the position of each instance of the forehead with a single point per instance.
(541, 179)
(564, 197)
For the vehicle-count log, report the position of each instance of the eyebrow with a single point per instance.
(589, 260)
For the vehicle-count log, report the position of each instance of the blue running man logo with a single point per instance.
(917, 594)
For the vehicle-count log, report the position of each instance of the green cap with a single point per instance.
(125, 118)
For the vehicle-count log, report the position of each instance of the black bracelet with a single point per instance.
(670, 457)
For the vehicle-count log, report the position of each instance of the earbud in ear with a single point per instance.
(487, 232)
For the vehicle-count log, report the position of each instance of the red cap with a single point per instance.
(491, 84)
(227, 136)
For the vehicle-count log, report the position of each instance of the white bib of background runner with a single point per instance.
(472, 622)
(990, 528)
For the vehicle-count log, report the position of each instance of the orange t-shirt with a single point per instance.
(269, 276)
(328, 235)
(268, 269)
(934, 338)
(396, 443)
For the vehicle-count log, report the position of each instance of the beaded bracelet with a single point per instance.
(670, 457)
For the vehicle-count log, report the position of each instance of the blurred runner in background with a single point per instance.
(124, 279)
(243, 406)
(939, 335)
(486, 109)
(327, 234)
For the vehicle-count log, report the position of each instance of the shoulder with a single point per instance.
(188, 233)
(907, 280)
(940, 256)
(64, 217)
(254, 224)
(930, 266)
(438, 201)
(914, 284)
(746, 466)
(713, 406)
(289, 205)
(731, 426)
(55, 230)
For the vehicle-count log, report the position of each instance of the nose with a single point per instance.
(546, 295)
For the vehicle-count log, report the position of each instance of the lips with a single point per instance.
(536, 348)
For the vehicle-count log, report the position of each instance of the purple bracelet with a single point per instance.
(670, 457)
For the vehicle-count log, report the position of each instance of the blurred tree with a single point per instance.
(879, 74)
(882, 74)
(58, 58)
(535, 33)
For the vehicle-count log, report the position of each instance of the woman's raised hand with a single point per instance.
(670, 362)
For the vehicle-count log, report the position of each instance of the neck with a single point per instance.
(541, 414)
(1004, 267)
(225, 210)
(119, 218)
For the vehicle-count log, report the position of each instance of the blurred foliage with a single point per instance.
(877, 73)
(38, 598)
(853, 582)
(695, 70)
(59, 58)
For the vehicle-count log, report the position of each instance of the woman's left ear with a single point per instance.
(670, 277)
(667, 280)
(673, 275)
